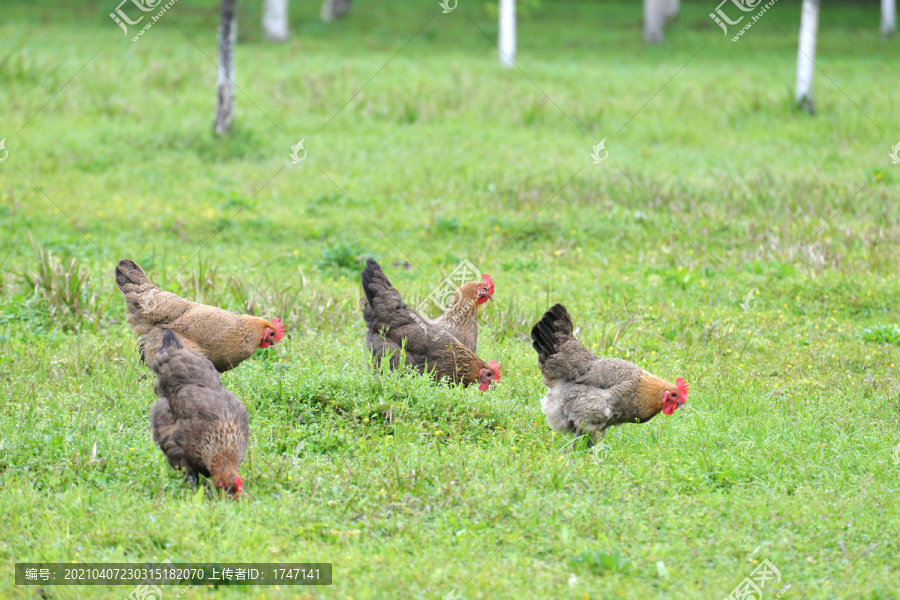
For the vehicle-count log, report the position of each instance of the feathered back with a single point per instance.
(177, 367)
(562, 356)
(148, 306)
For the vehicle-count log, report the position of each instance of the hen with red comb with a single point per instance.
(201, 427)
(274, 335)
(674, 399)
(461, 317)
(495, 369)
(589, 394)
(397, 333)
(225, 338)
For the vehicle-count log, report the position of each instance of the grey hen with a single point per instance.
(587, 393)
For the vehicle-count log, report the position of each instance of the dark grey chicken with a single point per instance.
(393, 327)
(199, 425)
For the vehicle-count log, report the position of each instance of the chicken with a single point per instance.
(200, 426)
(225, 338)
(587, 393)
(392, 327)
(461, 317)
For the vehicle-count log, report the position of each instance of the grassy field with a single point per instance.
(421, 149)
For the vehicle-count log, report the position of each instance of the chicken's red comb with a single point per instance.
(487, 279)
(682, 388)
(279, 329)
(495, 367)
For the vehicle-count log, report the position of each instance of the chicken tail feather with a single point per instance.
(129, 273)
(370, 275)
(171, 340)
(548, 334)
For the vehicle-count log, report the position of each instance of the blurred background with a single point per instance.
(420, 145)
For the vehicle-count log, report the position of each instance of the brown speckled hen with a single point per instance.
(225, 338)
(201, 427)
(461, 317)
(587, 393)
(392, 326)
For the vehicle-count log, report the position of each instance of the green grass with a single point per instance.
(714, 186)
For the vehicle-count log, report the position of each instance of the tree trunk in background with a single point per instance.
(332, 10)
(806, 54)
(225, 73)
(888, 17)
(654, 18)
(507, 35)
(275, 20)
(672, 8)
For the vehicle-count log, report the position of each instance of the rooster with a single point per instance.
(393, 327)
(225, 338)
(461, 317)
(587, 393)
(200, 426)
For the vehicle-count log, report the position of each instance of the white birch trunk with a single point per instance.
(806, 54)
(507, 34)
(654, 18)
(332, 10)
(672, 8)
(227, 37)
(888, 17)
(275, 20)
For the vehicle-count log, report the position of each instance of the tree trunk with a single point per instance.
(275, 20)
(225, 73)
(507, 34)
(888, 17)
(654, 18)
(806, 54)
(672, 8)
(332, 10)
